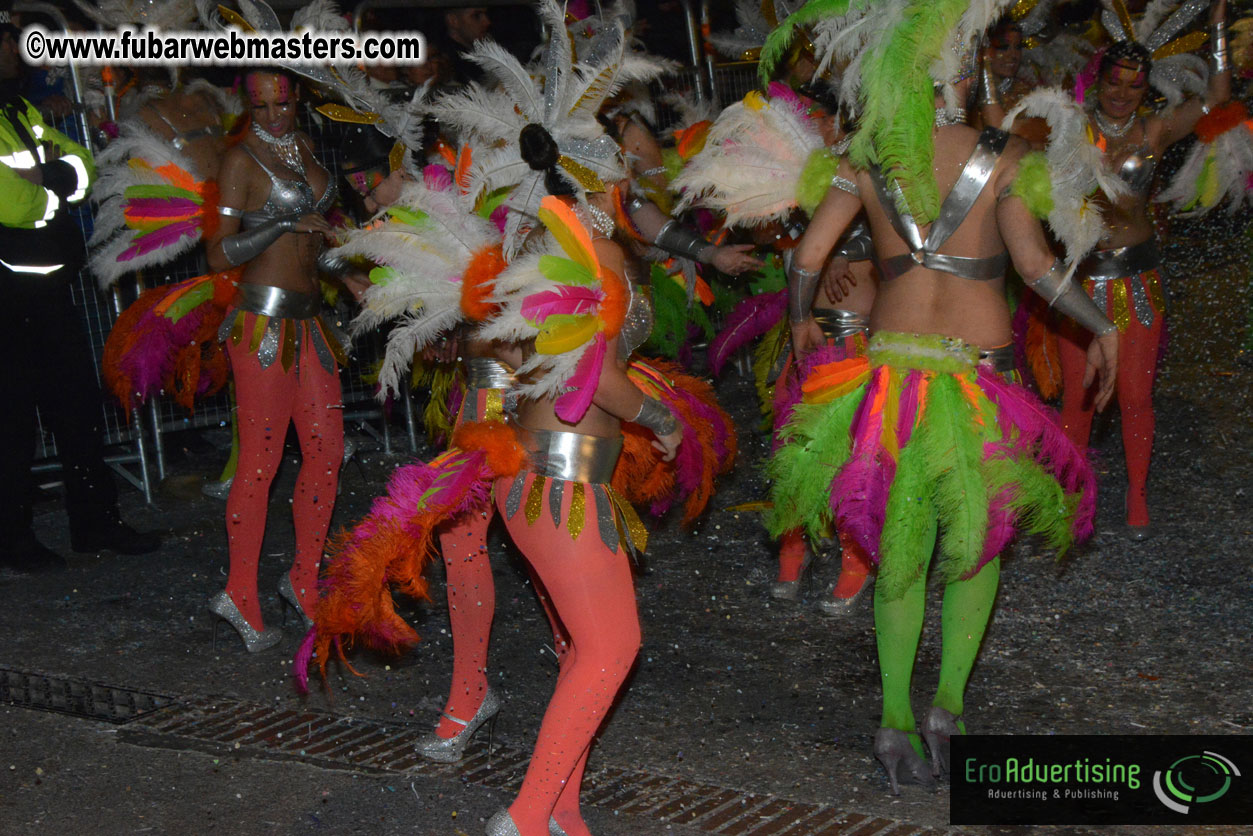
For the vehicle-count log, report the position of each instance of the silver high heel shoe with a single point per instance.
(893, 749)
(450, 749)
(840, 607)
(502, 824)
(223, 606)
(938, 728)
(288, 593)
(218, 490)
(791, 590)
(554, 829)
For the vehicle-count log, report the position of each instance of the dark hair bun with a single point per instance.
(538, 148)
(1129, 52)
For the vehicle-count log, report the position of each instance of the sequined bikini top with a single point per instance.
(1137, 169)
(287, 197)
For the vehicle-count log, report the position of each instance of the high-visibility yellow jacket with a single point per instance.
(32, 216)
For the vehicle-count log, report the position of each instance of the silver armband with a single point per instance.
(230, 213)
(801, 287)
(245, 246)
(988, 92)
(1218, 62)
(657, 417)
(681, 241)
(329, 262)
(635, 203)
(1063, 294)
(857, 245)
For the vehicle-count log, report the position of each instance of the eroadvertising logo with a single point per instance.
(1210, 774)
(1091, 779)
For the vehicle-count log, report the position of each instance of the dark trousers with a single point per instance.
(47, 362)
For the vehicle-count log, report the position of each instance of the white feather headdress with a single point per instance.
(563, 97)
(1175, 72)
(400, 120)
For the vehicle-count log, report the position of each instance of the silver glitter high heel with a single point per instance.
(840, 607)
(224, 607)
(791, 590)
(218, 490)
(554, 829)
(893, 750)
(502, 824)
(288, 593)
(937, 729)
(450, 749)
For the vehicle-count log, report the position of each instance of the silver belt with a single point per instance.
(1118, 263)
(1001, 359)
(264, 300)
(837, 324)
(488, 373)
(574, 457)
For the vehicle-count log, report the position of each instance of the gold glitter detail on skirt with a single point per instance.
(494, 407)
(535, 499)
(258, 331)
(634, 528)
(1119, 312)
(578, 511)
(1153, 281)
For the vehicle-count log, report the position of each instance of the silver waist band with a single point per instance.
(1106, 265)
(1001, 359)
(574, 457)
(264, 300)
(488, 373)
(836, 324)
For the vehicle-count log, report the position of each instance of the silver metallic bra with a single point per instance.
(1137, 170)
(638, 323)
(957, 205)
(287, 197)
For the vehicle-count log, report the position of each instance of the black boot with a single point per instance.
(115, 536)
(27, 554)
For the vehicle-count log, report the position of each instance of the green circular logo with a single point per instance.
(1194, 779)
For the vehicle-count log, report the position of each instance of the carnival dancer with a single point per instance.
(767, 159)
(284, 357)
(923, 435)
(1124, 275)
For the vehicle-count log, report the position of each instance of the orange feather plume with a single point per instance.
(476, 284)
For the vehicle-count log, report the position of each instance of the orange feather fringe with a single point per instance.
(1221, 119)
(476, 284)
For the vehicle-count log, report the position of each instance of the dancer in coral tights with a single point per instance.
(1124, 276)
(284, 358)
(575, 531)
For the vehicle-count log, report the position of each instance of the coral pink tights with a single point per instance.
(1137, 368)
(269, 399)
(593, 594)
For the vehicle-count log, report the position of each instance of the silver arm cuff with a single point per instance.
(801, 287)
(1218, 62)
(857, 246)
(245, 246)
(230, 213)
(988, 92)
(328, 262)
(657, 417)
(678, 240)
(1063, 294)
(635, 203)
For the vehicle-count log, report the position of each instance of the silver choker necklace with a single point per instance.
(1110, 129)
(601, 220)
(284, 147)
(943, 119)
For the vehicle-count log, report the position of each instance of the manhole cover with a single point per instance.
(77, 697)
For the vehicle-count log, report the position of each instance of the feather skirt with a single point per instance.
(917, 431)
